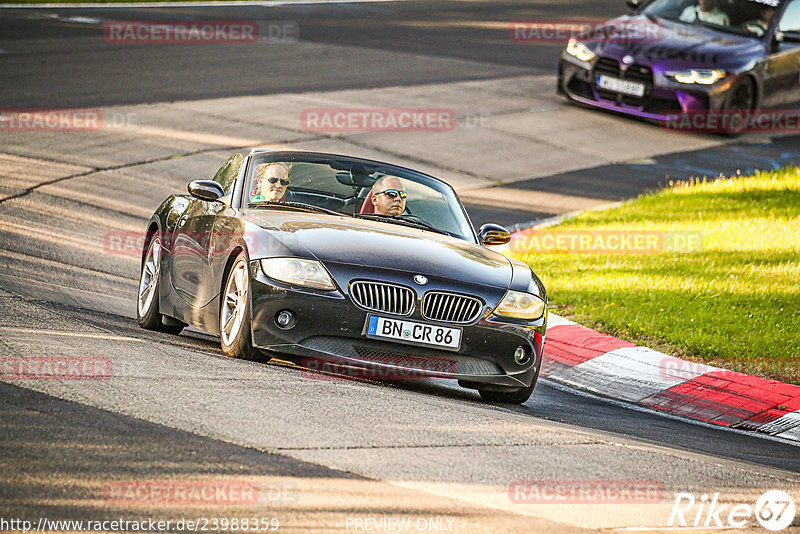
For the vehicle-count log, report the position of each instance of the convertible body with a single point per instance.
(315, 275)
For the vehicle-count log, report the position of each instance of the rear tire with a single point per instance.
(147, 314)
(234, 314)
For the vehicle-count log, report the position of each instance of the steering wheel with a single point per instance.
(408, 215)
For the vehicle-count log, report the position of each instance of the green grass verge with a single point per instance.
(733, 301)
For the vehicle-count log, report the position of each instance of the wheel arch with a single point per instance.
(229, 261)
(238, 249)
(153, 229)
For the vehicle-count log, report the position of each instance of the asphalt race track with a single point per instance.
(319, 453)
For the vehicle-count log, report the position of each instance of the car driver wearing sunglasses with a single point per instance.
(389, 196)
(272, 179)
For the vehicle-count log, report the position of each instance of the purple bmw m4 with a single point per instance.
(674, 57)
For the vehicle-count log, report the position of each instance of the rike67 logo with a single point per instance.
(774, 510)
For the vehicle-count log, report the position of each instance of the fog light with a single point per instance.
(285, 319)
(521, 356)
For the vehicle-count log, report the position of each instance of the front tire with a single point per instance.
(741, 100)
(147, 314)
(519, 396)
(234, 314)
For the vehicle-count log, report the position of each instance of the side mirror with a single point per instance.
(633, 4)
(493, 234)
(206, 190)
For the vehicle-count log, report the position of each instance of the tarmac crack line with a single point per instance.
(95, 170)
(352, 141)
(69, 267)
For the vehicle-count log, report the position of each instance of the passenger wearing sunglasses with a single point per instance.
(389, 196)
(272, 179)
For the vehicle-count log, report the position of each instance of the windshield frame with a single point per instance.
(257, 158)
(647, 10)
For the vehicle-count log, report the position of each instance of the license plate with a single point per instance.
(413, 333)
(620, 86)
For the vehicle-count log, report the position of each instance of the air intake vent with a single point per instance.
(384, 298)
(450, 307)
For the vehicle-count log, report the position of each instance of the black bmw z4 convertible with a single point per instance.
(294, 254)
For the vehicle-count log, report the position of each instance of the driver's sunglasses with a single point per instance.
(273, 180)
(393, 193)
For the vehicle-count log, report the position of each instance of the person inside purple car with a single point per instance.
(759, 27)
(706, 11)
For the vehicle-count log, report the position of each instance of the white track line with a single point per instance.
(236, 3)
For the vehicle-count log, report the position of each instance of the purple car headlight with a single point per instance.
(698, 76)
(579, 50)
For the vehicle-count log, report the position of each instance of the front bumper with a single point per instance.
(329, 327)
(664, 98)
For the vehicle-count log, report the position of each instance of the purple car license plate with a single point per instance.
(413, 332)
(620, 86)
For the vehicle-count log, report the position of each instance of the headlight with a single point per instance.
(297, 272)
(699, 76)
(579, 50)
(520, 305)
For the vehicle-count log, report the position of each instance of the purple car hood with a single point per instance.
(675, 45)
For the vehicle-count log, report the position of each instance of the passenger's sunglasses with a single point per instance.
(393, 193)
(274, 180)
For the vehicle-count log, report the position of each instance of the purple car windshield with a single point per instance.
(743, 17)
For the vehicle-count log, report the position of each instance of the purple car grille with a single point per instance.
(450, 307)
(635, 73)
(383, 297)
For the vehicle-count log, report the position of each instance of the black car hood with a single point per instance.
(676, 45)
(376, 244)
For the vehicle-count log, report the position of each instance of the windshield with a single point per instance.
(355, 188)
(744, 17)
